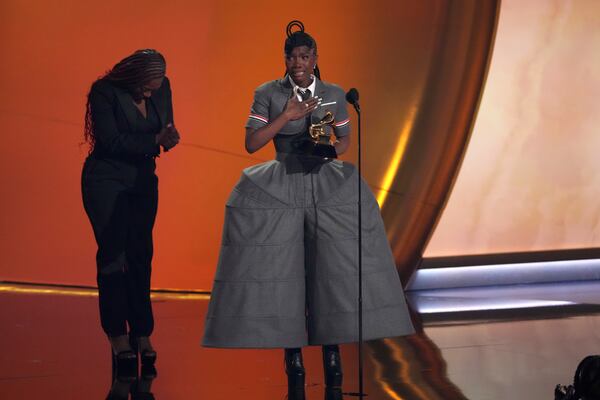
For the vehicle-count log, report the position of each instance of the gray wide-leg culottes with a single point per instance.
(288, 271)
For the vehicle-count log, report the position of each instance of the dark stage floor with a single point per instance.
(482, 344)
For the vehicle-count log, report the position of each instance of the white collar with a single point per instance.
(298, 89)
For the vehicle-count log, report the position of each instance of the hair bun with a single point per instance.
(294, 24)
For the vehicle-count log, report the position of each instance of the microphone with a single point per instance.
(352, 98)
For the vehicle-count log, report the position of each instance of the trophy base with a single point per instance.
(311, 148)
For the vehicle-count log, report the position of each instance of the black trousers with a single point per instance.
(121, 203)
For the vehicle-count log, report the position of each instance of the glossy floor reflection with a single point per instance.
(51, 347)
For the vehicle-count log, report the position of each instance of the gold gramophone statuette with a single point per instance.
(317, 131)
(319, 144)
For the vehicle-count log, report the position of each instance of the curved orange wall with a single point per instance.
(217, 53)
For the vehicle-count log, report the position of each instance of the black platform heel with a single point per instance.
(333, 393)
(332, 366)
(294, 367)
(296, 393)
(142, 388)
(119, 390)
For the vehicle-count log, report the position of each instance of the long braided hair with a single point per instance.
(297, 38)
(131, 74)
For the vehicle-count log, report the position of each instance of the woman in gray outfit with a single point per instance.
(288, 272)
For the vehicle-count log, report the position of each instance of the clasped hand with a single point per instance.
(168, 137)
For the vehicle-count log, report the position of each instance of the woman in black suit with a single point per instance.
(129, 117)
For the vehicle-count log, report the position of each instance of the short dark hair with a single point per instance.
(298, 39)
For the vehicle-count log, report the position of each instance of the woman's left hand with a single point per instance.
(169, 137)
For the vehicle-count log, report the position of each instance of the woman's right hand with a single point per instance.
(296, 109)
(168, 137)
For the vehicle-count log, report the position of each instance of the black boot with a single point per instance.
(332, 366)
(296, 393)
(124, 365)
(294, 367)
(333, 393)
(124, 359)
(120, 390)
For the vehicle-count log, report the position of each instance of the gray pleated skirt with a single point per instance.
(288, 272)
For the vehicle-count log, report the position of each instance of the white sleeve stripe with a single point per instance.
(259, 118)
(342, 123)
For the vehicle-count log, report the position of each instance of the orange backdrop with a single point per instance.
(217, 53)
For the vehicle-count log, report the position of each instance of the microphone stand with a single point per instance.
(361, 392)
(360, 299)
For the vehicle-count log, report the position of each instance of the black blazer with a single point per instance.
(114, 119)
(123, 157)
